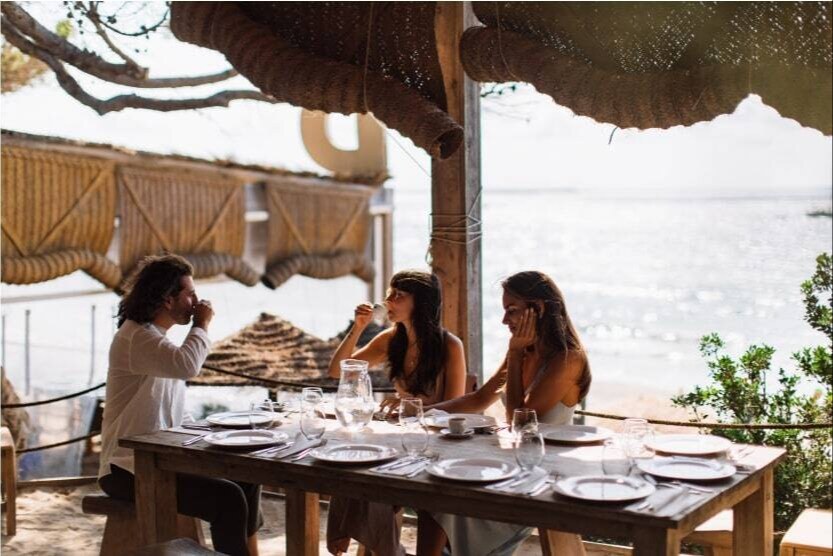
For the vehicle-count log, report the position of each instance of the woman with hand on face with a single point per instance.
(424, 361)
(545, 369)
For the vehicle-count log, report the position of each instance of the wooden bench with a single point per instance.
(810, 535)
(176, 547)
(8, 477)
(121, 531)
(714, 535)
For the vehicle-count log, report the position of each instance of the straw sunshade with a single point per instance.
(315, 232)
(660, 64)
(58, 216)
(344, 57)
(200, 215)
(273, 348)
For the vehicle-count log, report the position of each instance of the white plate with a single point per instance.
(354, 453)
(240, 418)
(245, 438)
(604, 488)
(686, 469)
(689, 444)
(473, 420)
(474, 470)
(465, 434)
(577, 434)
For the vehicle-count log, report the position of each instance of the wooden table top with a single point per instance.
(427, 492)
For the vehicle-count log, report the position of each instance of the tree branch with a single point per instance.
(93, 15)
(129, 75)
(120, 102)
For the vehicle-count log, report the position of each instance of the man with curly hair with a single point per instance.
(146, 393)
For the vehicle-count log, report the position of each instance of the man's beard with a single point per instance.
(184, 317)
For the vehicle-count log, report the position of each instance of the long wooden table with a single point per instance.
(160, 456)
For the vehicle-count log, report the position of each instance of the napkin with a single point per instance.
(525, 484)
(300, 445)
(665, 501)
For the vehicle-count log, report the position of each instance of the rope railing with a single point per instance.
(52, 400)
(292, 384)
(62, 443)
(712, 425)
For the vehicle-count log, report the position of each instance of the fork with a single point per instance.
(272, 449)
(195, 439)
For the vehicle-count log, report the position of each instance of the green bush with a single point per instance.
(737, 393)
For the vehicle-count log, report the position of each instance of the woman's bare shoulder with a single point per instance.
(571, 364)
(452, 341)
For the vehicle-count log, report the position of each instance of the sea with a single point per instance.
(645, 274)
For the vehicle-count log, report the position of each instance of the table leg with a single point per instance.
(656, 542)
(754, 520)
(302, 520)
(155, 500)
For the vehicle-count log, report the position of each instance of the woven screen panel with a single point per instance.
(316, 233)
(58, 216)
(341, 57)
(660, 64)
(199, 215)
(274, 348)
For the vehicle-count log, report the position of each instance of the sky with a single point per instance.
(528, 141)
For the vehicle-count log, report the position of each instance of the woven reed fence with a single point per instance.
(200, 215)
(57, 217)
(316, 233)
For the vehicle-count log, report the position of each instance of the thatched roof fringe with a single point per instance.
(319, 266)
(291, 74)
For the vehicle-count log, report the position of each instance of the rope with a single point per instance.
(703, 424)
(275, 382)
(43, 402)
(466, 225)
(55, 445)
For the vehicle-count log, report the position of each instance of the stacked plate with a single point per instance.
(687, 469)
(473, 470)
(577, 434)
(604, 488)
(689, 444)
(245, 438)
(354, 453)
(473, 420)
(240, 419)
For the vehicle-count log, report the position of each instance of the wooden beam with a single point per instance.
(455, 192)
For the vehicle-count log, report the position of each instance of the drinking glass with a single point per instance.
(261, 414)
(354, 403)
(615, 460)
(413, 433)
(637, 437)
(312, 394)
(313, 419)
(380, 314)
(529, 449)
(524, 419)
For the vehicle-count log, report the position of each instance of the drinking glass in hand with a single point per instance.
(261, 414)
(615, 460)
(529, 449)
(414, 435)
(524, 419)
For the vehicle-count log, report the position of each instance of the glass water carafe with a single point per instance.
(354, 403)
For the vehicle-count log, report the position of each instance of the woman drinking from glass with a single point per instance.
(424, 361)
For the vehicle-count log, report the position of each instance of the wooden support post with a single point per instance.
(656, 542)
(455, 192)
(155, 500)
(754, 520)
(302, 523)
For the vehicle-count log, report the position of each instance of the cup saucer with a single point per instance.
(465, 434)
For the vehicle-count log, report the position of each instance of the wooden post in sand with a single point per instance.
(455, 192)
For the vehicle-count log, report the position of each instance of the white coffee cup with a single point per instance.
(457, 425)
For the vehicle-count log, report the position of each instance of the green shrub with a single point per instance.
(737, 393)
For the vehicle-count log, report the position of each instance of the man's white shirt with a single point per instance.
(146, 386)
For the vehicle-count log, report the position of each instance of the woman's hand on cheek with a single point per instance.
(524, 335)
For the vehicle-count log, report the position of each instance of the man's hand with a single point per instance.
(203, 313)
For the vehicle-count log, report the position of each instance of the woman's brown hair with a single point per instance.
(553, 326)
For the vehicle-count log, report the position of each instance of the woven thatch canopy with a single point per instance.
(659, 64)
(274, 349)
(633, 64)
